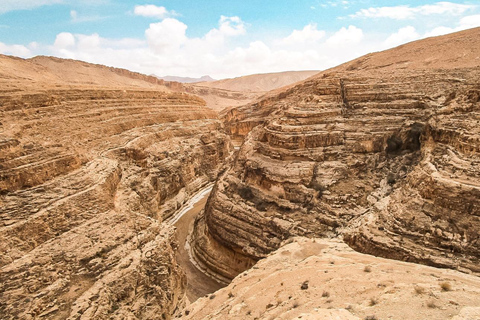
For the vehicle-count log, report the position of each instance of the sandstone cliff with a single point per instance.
(87, 175)
(384, 153)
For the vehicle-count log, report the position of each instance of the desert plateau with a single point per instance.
(348, 190)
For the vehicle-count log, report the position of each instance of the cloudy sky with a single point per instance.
(223, 38)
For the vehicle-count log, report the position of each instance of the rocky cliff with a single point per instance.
(88, 174)
(383, 152)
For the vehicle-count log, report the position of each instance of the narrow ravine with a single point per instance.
(199, 284)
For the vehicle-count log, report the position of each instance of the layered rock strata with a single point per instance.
(389, 160)
(87, 176)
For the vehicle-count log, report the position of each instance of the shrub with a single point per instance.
(367, 269)
(431, 304)
(446, 286)
(419, 290)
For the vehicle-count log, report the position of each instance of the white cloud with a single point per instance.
(153, 11)
(470, 22)
(64, 40)
(15, 50)
(467, 22)
(439, 31)
(308, 34)
(227, 27)
(346, 36)
(167, 50)
(11, 5)
(166, 36)
(407, 12)
(403, 35)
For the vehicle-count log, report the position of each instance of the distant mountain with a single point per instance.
(187, 79)
(260, 82)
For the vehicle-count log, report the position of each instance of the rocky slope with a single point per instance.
(325, 279)
(88, 172)
(382, 152)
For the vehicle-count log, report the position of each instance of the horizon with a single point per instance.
(223, 40)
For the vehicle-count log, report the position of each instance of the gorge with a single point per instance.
(354, 193)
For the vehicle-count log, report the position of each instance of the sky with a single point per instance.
(223, 38)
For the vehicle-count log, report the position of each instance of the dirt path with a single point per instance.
(198, 283)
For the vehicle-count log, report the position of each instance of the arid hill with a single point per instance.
(383, 152)
(49, 72)
(259, 82)
(225, 94)
(92, 160)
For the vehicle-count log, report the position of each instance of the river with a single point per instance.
(199, 284)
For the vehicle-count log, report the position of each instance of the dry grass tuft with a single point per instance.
(373, 301)
(419, 290)
(431, 304)
(446, 286)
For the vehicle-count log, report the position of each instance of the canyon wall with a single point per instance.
(384, 156)
(87, 177)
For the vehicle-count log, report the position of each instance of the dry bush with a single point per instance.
(419, 290)
(373, 301)
(446, 286)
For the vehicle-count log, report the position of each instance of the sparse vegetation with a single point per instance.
(372, 317)
(373, 301)
(446, 286)
(431, 304)
(230, 295)
(295, 304)
(367, 269)
(419, 290)
(325, 294)
(212, 296)
(304, 285)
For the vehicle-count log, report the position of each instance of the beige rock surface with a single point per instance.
(88, 172)
(385, 154)
(325, 279)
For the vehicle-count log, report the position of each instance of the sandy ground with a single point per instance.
(199, 284)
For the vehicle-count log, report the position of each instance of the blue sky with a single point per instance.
(223, 38)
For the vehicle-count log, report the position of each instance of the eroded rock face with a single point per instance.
(389, 160)
(87, 177)
(325, 279)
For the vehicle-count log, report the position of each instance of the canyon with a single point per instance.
(382, 152)
(352, 194)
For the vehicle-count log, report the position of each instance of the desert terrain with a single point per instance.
(354, 192)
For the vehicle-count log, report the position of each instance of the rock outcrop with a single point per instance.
(325, 279)
(87, 176)
(382, 152)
